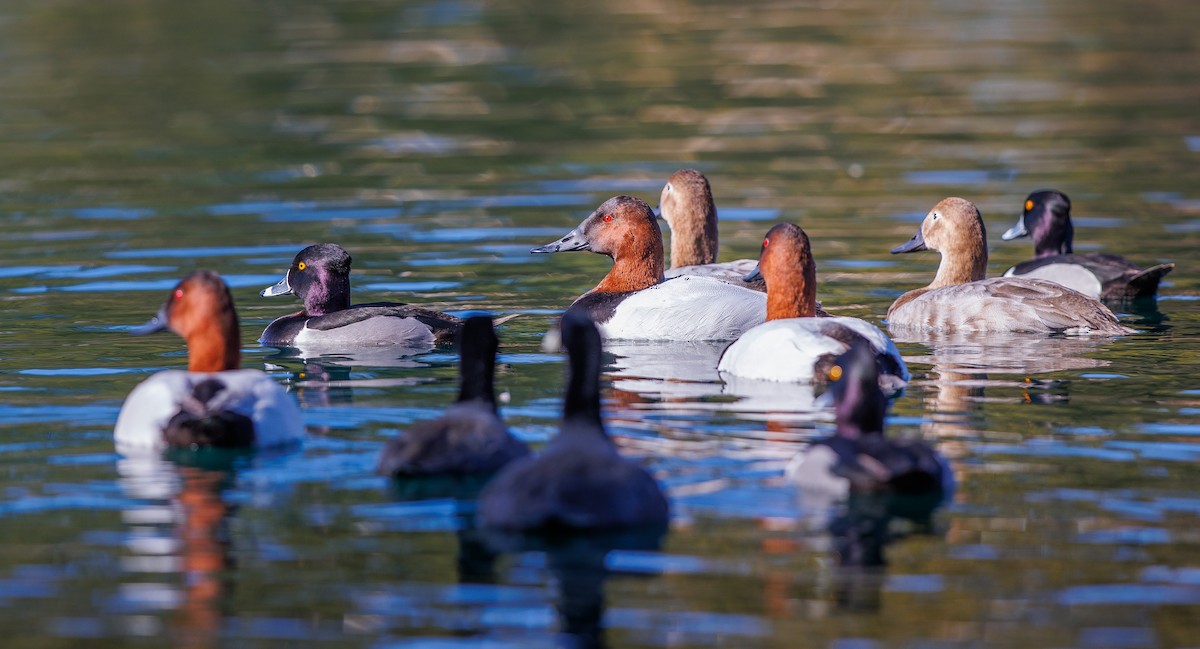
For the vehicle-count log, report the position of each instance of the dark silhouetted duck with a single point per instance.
(320, 277)
(634, 302)
(579, 481)
(793, 345)
(961, 299)
(859, 457)
(1047, 218)
(213, 404)
(469, 437)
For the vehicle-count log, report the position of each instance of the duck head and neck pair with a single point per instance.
(686, 204)
(954, 228)
(1047, 218)
(624, 229)
(200, 309)
(320, 276)
(786, 264)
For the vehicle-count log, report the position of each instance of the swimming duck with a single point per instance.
(213, 404)
(859, 457)
(634, 302)
(1047, 216)
(686, 204)
(579, 481)
(320, 277)
(960, 299)
(793, 345)
(469, 437)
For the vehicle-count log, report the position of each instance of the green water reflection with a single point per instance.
(438, 142)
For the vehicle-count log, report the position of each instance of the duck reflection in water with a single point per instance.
(191, 484)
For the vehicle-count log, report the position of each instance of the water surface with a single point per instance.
(438, 142)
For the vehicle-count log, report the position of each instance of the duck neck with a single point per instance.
(476, 372)
(215, 346)
(1049, 241)
(581, 405)
(792, 292)
(635, 267)
(960, 266)
(693, 241)
(329, 295)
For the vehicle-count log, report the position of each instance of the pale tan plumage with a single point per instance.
(960, 299)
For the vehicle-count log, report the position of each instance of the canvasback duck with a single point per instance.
(213, 403)
(579, 481)
(960, 299)
(859, 457)
(634, 302)
(1047, 217)
(320, 277)
(686, 204)
(469, 437)
(793, 345)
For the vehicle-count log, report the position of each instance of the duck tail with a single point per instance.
(1145, 283)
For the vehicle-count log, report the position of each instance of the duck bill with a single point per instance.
(573, 241)
(658, 213)
(1017, 231)
(281, 288)
(154, 325)
(754, 275)
(914, 244)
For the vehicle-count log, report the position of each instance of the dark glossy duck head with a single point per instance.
(200, 309)
(320, 276)
(1047, 219)
(859, 403)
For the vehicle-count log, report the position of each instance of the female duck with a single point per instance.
(469, 437)
(213, 404)
(634, 302)
(859, 457)
(960, 299)
(320, 277)
(686, 204)
(793, 345)
(579, 481)
(1047, 217)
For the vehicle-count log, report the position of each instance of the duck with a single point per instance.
(579, 481)
(320, 277)
(634, 301)
(686, 204)
(213, 403)
(961, 299)
(859, 457)
(1047, 217)
(469, 437)
(794, 345)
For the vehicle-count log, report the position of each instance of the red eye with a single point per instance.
(178, 294)
(607, 218)
(766, 242)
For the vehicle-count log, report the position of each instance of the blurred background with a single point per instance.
(438, 142)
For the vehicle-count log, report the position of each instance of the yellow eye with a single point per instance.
(835, 373)
(1028, 205)
(301, 265)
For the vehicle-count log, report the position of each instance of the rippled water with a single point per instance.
(438, 142)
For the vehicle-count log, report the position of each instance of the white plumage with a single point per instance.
(686, 308)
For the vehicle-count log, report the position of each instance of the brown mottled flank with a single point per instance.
(960, 299)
